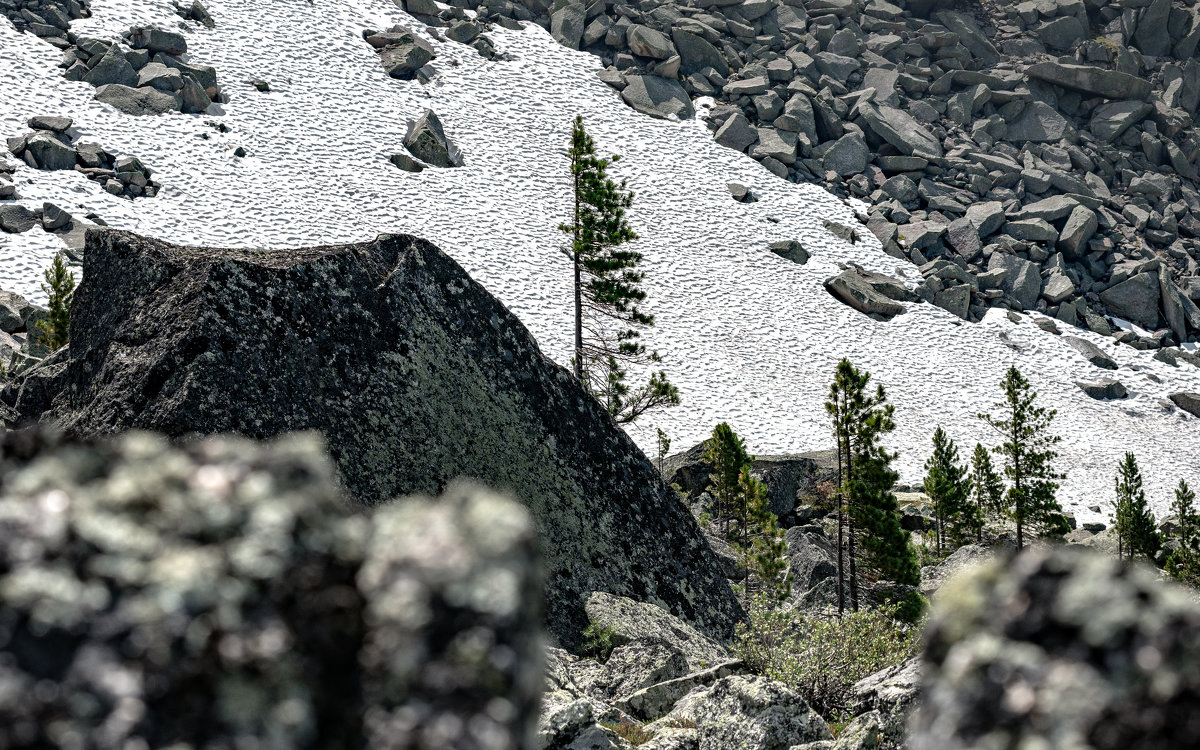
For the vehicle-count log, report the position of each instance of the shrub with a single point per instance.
(634, 734)
(599, 641)
(822, 656)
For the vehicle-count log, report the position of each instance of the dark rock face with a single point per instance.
(787, 476)
(1061, 648)
(229, 597)
(414, 374)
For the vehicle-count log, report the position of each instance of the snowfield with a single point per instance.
(748, 337)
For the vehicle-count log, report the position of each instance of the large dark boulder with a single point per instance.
(415, 375)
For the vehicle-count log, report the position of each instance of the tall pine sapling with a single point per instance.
(763, 548)
(60, 287)
(607, 289)
(948, 487)
(727, 454)
(1184, 562)
(1028, 451)
(867, 508)
(1133, 522)
(987, 488)
(664, 445)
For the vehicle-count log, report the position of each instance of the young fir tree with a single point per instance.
(664, 445)
(727, 454)
(761, 542)
(948, 488)
(60, 287)
(1184, 562)
(607, 289)
(867, 509)
(1028, 453)
(987, 488)
(1132, 520)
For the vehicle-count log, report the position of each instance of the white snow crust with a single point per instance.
(748, 337)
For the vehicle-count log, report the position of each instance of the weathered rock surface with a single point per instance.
(127, 566)
(866, 292)
(750, 713)
(1060, 648)
(427, 141)
(414, 374)
(658, 97)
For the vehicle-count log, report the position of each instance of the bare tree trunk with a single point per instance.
(841, 573)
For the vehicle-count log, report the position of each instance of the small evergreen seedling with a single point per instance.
(60, 287)
(599, 641)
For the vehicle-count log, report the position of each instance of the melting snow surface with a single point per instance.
(749, 338)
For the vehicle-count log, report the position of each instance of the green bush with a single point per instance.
(598, 641)
(634, 734)
(822, 656)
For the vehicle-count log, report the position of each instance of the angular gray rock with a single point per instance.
(987, 216)
(737, 133)
(1110, 120)
(648, 42)
(133, 101)
(15, 218)
(1152, 36)
(633, 621)
(1080, 227)
(1022, 278)
(1090, 79)
(111, 68)
(1135, 299)
(567, 23)
(405, 53)
(856, 289)
(1090, 352)
(791, 250)
(427, 141)
(413, 373)
(697, 53)
(383, 630)
(156, 40)
(750, 713)
(49, 152)
(1040, 123)
(1104, 389)
(900, 129)
(658, 97)
(1189, 402)
(1060, 648)
(848, 155)
(50, 123)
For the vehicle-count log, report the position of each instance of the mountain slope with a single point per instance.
(749, 337)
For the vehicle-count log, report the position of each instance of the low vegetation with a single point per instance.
(821, 656)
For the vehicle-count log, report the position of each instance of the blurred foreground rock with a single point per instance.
(1059, 648)
(223, 594)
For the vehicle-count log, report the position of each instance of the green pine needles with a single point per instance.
(607, 289)
(1028, 451)
(1184, 562)
(956, 519)
(60, 287)
(869, 533)
(1133, 522)
(741, 510)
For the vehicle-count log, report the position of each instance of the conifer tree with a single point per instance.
(867, 509)
(727, 454)
(664, 445)
(60, 287)
(948, 488)
(1184, 562)
(1133, 522)
(763, 548)
(1028, 451)
(987, 488)
(607, 289)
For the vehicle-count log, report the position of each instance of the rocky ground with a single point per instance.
(1035, 156)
